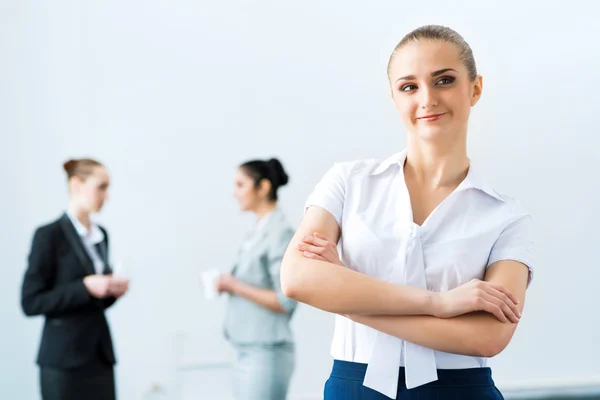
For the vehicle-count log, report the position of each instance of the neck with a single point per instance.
(435, 164)
(264, 209)
(81, 215)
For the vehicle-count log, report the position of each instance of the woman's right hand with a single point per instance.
(97, 285)
(477, 295)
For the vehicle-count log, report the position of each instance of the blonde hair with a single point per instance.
(81, 168)
(443, 34)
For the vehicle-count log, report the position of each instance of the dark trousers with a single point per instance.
(346, 383)
(93, 381)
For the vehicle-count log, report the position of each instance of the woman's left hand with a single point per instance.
(226, 283)
(117, 287)
(319, 247)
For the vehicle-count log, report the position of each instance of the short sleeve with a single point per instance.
(515, 243)
(329, 192)
(274, 258)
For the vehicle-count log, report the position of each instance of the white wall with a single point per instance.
(173, 95)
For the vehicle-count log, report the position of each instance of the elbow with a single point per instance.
(289, 289)
(490, 345)
(290, 285)
(28, 307)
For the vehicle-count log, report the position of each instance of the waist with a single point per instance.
(275, 347)
(354, 343)
(446, 377)
(248, 323)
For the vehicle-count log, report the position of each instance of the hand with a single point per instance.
(318, 247)
(118, 286)
(97, 285)
(226, 283)
(477, 295)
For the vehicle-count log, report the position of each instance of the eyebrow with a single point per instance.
(433, 74)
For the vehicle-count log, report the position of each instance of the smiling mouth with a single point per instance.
(431, 118)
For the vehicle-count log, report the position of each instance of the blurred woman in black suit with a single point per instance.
(69, 281)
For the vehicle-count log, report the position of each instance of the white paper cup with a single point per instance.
(209, 283)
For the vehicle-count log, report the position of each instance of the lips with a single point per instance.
(431, 118)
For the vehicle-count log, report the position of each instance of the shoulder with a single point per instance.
(491, 199)
(47, 234)
(356, 167)
(515, 211)
(340, 173)
(506, 207)
(49, 229)
(508, 203)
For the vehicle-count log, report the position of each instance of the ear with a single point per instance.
(264, 187)
(74, 183)
(476, 90)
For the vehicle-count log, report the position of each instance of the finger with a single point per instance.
(504, 290)
(506, 300)
(321, 236)
(325, 253)
(506, 310)
(493, 309)
(315, 241)
(311, 248)
(313, 256)
(331, 257)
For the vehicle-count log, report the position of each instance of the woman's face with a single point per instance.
(91, 192)
(432, 91)
(246, 192)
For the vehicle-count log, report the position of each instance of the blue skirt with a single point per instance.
(346, 383)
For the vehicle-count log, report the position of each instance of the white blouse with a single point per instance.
(90, 239)
(470, 230)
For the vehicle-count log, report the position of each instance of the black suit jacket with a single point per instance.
(76, 329)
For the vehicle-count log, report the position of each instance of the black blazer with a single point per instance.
(75, 330)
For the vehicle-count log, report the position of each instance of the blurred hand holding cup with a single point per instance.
(209, 283)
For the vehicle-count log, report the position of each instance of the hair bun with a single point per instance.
(68, 166)
(279, 175)
(80, 167)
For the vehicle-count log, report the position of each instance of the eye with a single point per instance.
(446, 80)
(408, 87)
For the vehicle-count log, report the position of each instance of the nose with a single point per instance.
(428, 98)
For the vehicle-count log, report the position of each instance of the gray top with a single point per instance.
(258, 263)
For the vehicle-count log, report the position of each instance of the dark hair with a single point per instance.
(81, 168)
(271, 170)
(444, 34)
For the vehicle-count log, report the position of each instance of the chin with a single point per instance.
(435, 134)
(431, 135)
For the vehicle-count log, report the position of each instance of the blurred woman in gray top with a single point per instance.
(258, 314)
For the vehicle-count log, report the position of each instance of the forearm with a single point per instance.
(476, 334)
(266, 298)
(340, 290)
